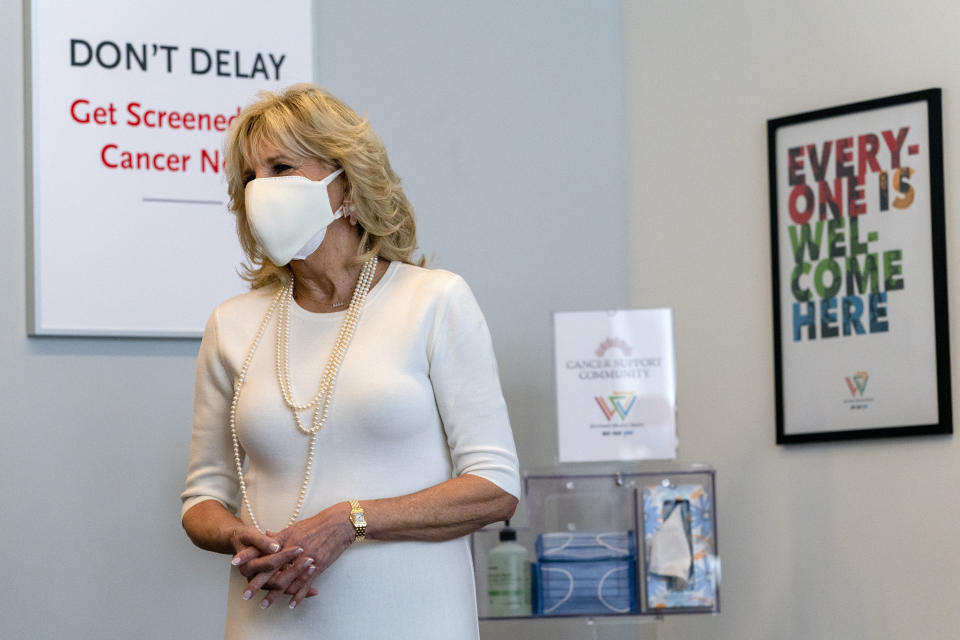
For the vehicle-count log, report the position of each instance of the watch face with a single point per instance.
(358, 519)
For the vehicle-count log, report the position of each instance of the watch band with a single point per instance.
(358, 520)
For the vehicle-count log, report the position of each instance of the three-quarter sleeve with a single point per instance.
(211, 474)
(463, 372)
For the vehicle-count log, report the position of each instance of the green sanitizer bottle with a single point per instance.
(508, 577)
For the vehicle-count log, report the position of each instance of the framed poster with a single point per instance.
(859, 271)
(616, 385)
(128, 107)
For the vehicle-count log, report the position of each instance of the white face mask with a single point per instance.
(288, 215)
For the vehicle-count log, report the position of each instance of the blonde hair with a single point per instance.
(311, 123)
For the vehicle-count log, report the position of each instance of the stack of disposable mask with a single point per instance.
(586, 573)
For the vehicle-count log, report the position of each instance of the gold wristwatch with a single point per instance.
(358, 520)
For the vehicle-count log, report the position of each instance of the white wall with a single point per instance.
(93, 439)
(505, 120)
(852, 540)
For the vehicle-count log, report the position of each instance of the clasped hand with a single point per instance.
(287, 562)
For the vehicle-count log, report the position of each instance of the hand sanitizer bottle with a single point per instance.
(508, 577)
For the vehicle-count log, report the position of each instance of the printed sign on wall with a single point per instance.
(616, 385)
(859, 270)
(130, 103)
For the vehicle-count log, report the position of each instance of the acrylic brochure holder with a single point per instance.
(605, 545)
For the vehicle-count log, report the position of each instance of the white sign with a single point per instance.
(857, 280)
(130, 103)
(616, 385)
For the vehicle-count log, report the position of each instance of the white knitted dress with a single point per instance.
(417, 401)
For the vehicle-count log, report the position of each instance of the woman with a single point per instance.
(406, 447)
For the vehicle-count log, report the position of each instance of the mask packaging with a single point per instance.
(586, 573)
(289, 215)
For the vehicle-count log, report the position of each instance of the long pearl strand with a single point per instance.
(320, 402)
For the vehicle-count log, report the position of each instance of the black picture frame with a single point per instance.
(815, 216)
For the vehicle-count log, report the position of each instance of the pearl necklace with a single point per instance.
(321, 401)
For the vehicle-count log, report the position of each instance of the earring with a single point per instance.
(349, 213)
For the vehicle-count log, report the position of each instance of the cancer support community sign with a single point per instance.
(616, 385)
(129, 106)
(859, 265)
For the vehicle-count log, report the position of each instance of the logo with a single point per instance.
(611, 343)
(619, 403)
(857, 383)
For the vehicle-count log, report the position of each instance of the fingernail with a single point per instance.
(247, 595)
(274, 547)
(299, 550)
(264, 604)
(235, 561)
(308, 562)
(311, 570)
(293, 604)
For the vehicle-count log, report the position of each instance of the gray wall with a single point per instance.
(828, 541)
(505, 119)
